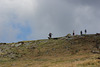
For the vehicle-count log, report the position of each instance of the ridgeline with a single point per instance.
(68, 51)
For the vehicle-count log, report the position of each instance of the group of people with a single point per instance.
(81, 33)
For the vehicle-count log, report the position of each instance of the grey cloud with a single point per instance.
(57, 16)
(63, 16)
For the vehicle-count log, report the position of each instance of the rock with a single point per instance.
(17, 45)
(97, 52)
(13, 45)
(20, 42)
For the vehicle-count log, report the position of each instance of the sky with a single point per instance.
(34, 19)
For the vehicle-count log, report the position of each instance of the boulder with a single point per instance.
(17, 45)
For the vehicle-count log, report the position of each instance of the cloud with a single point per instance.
(34, 19)
(14, 15)
(62, 17)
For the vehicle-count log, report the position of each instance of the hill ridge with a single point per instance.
(48, 49)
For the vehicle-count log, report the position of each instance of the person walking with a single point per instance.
(85, 31)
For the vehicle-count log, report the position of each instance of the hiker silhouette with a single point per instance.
(73, 33)
(50, 36)
(85, 31)
(81, 33)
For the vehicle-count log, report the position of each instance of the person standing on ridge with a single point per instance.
(73, 33)
(85, 31)
(50, 36)
(81, 33)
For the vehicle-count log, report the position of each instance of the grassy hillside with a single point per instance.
(69, 51)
